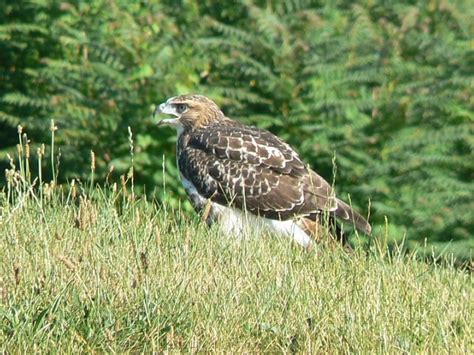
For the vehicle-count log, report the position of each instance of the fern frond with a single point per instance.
(23, 100)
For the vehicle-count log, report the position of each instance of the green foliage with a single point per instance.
(101, 67)
(385, 88)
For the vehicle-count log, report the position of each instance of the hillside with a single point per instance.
(115, 274)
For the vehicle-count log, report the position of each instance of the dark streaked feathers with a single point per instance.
(251, 168)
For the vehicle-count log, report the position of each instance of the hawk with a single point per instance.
(247, 178)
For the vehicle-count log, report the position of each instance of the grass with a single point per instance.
(94, 269)
(142, 279)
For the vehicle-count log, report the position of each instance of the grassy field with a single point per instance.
(113, 275)
(84, 268)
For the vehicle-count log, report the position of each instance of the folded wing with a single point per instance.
(253, 169)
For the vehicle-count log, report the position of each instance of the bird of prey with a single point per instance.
(247, 178)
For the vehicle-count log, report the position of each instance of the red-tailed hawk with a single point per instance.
(248, 176)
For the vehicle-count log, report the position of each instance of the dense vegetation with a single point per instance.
(384, 88)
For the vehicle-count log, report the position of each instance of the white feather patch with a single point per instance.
(239, 224)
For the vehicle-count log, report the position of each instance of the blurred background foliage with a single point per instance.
(385, 88)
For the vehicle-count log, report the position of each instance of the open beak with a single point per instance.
(168, 109)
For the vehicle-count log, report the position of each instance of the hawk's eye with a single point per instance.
(181, 108)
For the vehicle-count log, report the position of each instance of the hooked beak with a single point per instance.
(166, 108)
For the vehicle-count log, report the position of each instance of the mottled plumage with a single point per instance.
(241, 168)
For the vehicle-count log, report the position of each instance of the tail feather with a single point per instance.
(346, 213)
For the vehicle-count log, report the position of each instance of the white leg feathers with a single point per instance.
(236, 223)
(291, 229)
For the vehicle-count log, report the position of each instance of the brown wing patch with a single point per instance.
(248, 168)
(254, 170)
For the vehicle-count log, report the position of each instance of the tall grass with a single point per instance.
(97, 269)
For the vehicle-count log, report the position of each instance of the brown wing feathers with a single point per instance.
(253, 169)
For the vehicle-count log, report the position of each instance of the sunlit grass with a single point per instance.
(95, 269)
(142, 280)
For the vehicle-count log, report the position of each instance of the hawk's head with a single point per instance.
(190, 111)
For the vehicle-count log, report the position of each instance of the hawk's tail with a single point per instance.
(346, 213)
